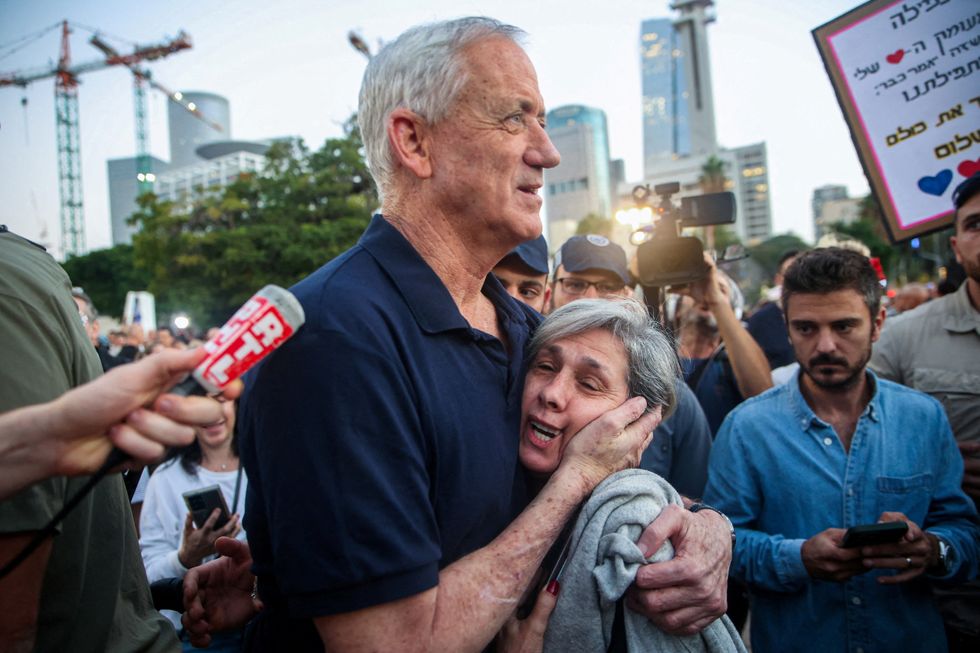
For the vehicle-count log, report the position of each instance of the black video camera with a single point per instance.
(664, 256)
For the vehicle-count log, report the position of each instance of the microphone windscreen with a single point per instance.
(263, 323)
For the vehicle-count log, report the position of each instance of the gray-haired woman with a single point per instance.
(586, 358)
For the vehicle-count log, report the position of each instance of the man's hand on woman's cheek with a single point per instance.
(613, 441)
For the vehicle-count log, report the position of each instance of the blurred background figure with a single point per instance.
(90, 320)
(910, 296)
(766, 324)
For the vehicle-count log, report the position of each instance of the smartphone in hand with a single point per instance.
(872, 534)
(201, 503)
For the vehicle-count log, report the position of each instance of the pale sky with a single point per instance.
(287, 69)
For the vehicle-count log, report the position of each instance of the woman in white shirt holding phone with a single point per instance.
(170, 540)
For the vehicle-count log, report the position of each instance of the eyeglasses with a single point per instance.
(574, 286)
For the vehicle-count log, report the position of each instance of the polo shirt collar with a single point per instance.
(805, 415)
(424, 292)
(962, 317)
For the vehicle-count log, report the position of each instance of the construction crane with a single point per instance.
(66, 118)
(141, 78)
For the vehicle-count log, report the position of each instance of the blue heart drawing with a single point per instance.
(936, 185)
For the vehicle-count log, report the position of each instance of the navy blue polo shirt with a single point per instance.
(381, 440)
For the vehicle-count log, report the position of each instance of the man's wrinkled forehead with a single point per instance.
(480, 63)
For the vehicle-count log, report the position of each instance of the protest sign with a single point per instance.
(907, 76)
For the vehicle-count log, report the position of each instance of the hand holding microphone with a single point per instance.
(269, 318)
(132, 402)
(73, 434)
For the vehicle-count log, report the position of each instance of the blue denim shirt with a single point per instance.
(782, 475)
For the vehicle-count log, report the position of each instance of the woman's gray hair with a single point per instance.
(422, 71)
(652, 365)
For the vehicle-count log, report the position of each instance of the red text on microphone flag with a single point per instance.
(255, 330)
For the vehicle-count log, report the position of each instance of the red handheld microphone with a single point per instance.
(263, 323)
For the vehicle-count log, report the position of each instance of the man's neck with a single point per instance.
(460, 266)
(839, 407)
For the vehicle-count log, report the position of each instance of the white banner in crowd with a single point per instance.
(140, 309)
(907, 76)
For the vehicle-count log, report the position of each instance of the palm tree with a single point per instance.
(712, 180)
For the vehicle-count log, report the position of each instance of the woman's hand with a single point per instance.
(527, 636)
(198, 543)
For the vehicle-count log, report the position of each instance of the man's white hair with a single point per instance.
(421, 71)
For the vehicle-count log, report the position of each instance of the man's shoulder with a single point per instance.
(27, 269)
(351, 285)
(907, 399)
(761, 412)
(772, 401)
(919, 319)
(687, 411)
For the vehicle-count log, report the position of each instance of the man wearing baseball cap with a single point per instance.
(588, 267)
(593, 266)
(524, 273)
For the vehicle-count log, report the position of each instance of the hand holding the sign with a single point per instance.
(126, 408)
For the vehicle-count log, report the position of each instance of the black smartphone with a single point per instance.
(872, 534)
(201, 503)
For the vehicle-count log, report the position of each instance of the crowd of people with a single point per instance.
(474, 445)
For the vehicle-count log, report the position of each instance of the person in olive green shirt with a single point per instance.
(85, 589)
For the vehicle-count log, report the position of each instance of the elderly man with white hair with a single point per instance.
(387, 509)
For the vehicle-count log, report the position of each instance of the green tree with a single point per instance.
(207, 256)
(107, 275)
(594, 224)
(767, 252)
(901, 262)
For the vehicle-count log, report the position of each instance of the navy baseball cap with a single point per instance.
(592, 252)
(533, 254)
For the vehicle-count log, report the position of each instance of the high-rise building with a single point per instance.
(188, 132)
(580, 184)
(754, 221)
(123, 191)
(678, 102)
(832, 205)
(822, 195)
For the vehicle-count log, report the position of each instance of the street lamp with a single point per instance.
(358, 44)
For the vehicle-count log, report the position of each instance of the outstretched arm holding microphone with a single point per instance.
(127, 408)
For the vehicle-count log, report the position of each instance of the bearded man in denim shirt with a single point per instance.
(837, 447)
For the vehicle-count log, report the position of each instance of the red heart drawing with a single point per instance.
(896, 56)
(968, 168)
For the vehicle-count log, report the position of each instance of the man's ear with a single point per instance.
(409, 136)
(878, 323)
